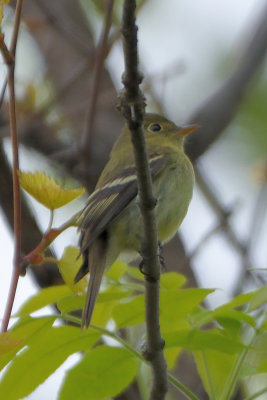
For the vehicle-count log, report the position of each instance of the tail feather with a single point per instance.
(97, 262)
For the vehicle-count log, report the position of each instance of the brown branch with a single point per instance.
(15, 161)
(133, 107)
(101, 52)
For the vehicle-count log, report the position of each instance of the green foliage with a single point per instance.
(103, 372)
(45, 297)
(44, 353)
(227, 343)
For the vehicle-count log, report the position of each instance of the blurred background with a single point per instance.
(203, 62)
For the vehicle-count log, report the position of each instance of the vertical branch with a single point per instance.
(96, 75)
(16, 188)
(133, 108)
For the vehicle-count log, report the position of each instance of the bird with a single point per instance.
(110, 224)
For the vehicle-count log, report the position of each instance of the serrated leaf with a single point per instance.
(43, 298)
(43, 356)
(46, 190)
(103, 373)
(68, 265)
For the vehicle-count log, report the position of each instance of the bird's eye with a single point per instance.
(155, 127)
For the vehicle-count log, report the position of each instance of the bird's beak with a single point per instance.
(185, 130)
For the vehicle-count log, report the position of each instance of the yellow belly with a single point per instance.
(173, 197)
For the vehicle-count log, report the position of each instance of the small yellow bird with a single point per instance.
(111, 222)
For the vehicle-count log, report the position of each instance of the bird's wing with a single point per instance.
(108, 201)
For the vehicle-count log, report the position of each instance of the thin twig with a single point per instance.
(16, 187)
(222, 212)
(133, 108)
(101, 53)
(3, 91)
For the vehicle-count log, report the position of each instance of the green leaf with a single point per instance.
(176, 305)
(70, 303)
(76, 302)
(231, 327)
(237, 301)
(214, 369)
(135, 273)
(44, 355)
(113, 294)
(7, 343)
(45, 297)
(235, 315)
(131, 312)
(171, 355)
(202, 340)
(68, 266)
(102, 313)
(103, 373)
(172, 280)
(262, 367)
(205, 316)
(21, 333)
(259, 298)
(46, 190)
(116, 271)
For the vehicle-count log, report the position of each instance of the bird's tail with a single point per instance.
(97, 262)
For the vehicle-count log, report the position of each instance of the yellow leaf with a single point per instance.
(68, 265)
(46, 190)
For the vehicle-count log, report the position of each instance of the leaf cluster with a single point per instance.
(227, 343)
